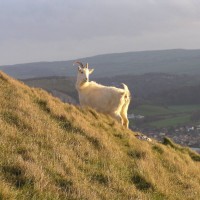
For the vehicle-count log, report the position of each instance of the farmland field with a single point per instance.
(158, 116)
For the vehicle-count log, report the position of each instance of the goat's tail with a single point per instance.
(125, 87)
(127, 93)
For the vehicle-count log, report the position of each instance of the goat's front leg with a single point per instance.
(126, 122)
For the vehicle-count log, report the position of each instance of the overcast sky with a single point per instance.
(52, 30)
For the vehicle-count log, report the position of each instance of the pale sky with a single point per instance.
(53, 30)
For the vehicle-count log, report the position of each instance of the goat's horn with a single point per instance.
(86, 65)
(80, 63)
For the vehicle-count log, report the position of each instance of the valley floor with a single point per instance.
(175, 122)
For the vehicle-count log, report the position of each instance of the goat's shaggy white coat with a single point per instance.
(109, 100)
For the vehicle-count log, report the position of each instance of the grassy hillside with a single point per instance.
(175, 61)
(52, 150)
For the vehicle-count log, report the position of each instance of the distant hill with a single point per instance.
(148, 85)
(52, 150)
(176, 61)
(185, 95)
(146, 88)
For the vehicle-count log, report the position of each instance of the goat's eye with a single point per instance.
(81, 72)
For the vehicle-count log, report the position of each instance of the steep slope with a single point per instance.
(52, 150)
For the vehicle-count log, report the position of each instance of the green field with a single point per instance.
(167, 116)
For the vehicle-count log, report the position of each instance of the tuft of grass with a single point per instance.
(24, 153)
(194, 156)
(158, 149)
(65, 184)
(167, 141)
(119, 135)
(94, 113)
(136, 154)
(43, 105)
(100, 178)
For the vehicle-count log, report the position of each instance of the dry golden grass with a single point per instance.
(52, 150)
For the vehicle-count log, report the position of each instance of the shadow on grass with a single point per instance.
(14, 119)
(16, 176)
(141, 183)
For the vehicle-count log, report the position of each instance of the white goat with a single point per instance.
(109, 100)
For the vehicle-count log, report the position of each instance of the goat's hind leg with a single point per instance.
(123, 113)
(117, 117)
(125, 121)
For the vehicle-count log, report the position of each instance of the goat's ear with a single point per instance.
(86, 66)
(79, 69)
(91, 70)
